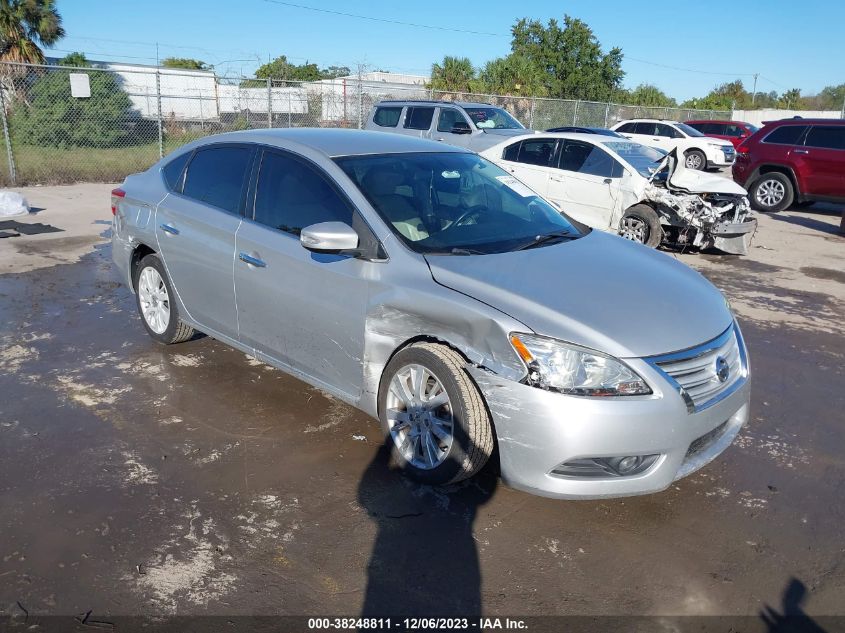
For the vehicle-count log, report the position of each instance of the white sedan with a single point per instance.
(624, 187)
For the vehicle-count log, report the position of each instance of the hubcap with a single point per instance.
(634, 229)
(693, 161)
(770, 193)
(419, 416)
(154, 300)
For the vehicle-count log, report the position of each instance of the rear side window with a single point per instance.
(785, 134)
(537, 152)
(291, 195)
(387, 117)
(644, 127)
(826, 136)
(216, 176)
(419, 118)
(667, 131)
(628, 128)
(172, 172)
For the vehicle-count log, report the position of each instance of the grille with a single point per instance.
(696, 371)
(703, 443)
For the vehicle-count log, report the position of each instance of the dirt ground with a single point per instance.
(141, 479)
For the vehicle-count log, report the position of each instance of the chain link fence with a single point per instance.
(62, 124)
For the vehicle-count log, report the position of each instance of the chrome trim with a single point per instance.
(698, 351)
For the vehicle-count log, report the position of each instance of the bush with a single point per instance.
(51, 117)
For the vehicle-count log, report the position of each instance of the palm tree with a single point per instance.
(25, 25)
(454, 75)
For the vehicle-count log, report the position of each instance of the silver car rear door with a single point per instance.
(195, 229)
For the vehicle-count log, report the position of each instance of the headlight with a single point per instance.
(717, 145)
(558, 366)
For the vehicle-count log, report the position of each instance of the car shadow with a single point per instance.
(808, 222)
(424, 560)
(793, 618)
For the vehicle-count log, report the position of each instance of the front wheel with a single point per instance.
(156, 305)
(641, 224)
(433, 415)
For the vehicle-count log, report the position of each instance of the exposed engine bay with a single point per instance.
(699, 209)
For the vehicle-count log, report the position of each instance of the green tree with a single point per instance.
(648, 95)
(570, 59)
(280, 68)
(727, 96)
(333, 72)
(455, 74)
(831, 97)
(511, 75)
(51, 117)
(790, 99)
(25, 26)
(77, 60)
(184, 62)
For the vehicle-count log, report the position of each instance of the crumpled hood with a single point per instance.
(599, 291)
(694, 181)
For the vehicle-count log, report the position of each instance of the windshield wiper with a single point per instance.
(546, 238)
(457, 251)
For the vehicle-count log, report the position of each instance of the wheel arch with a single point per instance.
(768, 168)
(140, 251)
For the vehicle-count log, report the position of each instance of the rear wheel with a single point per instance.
(695, 159)
(433, 415)
(641, 224)
(772, 192)
(158, 310)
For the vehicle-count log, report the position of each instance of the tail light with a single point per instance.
(116, 195)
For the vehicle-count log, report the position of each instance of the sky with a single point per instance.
(684, 48)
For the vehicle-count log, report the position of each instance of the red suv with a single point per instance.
(734, 131)
(793, 160)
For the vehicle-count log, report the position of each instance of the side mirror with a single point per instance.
(329, 237)
(461, 127)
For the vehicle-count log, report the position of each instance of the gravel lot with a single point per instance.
(139, 479)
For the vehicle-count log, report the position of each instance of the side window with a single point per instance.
(828, 137)
(785, 134)
(387, 117)
(667, 131)
(588, 159)
(216, 176)
(512, 151)
(646, 128)
(419, 118)
(447, 119)
(537, 152)
(172, 172)
(733, 130)
(291, 195)
(628, 128)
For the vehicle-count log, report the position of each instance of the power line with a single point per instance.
(686, 70)
(386, 20)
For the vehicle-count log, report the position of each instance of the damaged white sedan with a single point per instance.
(624, 187)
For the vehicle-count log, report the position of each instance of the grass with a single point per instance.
(54, 166)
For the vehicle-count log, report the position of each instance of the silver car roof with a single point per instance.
(333, 142)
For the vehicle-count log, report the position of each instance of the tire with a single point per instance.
(695, 159)
(640, 224)
(772, 192)
(432, 452)
(156, 307)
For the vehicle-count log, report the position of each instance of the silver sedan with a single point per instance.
(436, 292)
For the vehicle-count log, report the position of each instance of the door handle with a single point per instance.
(607, 181)
(252, 261)
(169, 228)
(800, 151)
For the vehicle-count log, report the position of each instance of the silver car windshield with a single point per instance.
(493, 119)
(643, 159)
(456, 203)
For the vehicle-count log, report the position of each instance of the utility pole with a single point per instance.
(754, 92)
(360, 96)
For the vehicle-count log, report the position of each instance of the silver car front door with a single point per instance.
(303, 309)
(195, 228)
(445, 123)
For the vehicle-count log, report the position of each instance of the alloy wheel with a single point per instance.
(693, 161)
(420, 416)
(634, 229)
(770, 193)
(154, 300)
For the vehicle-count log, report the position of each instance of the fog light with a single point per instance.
(593, 467)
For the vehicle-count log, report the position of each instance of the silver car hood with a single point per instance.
(599, 291)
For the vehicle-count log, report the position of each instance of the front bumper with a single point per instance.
(721, 158)
(539, 430)
(733, 237)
